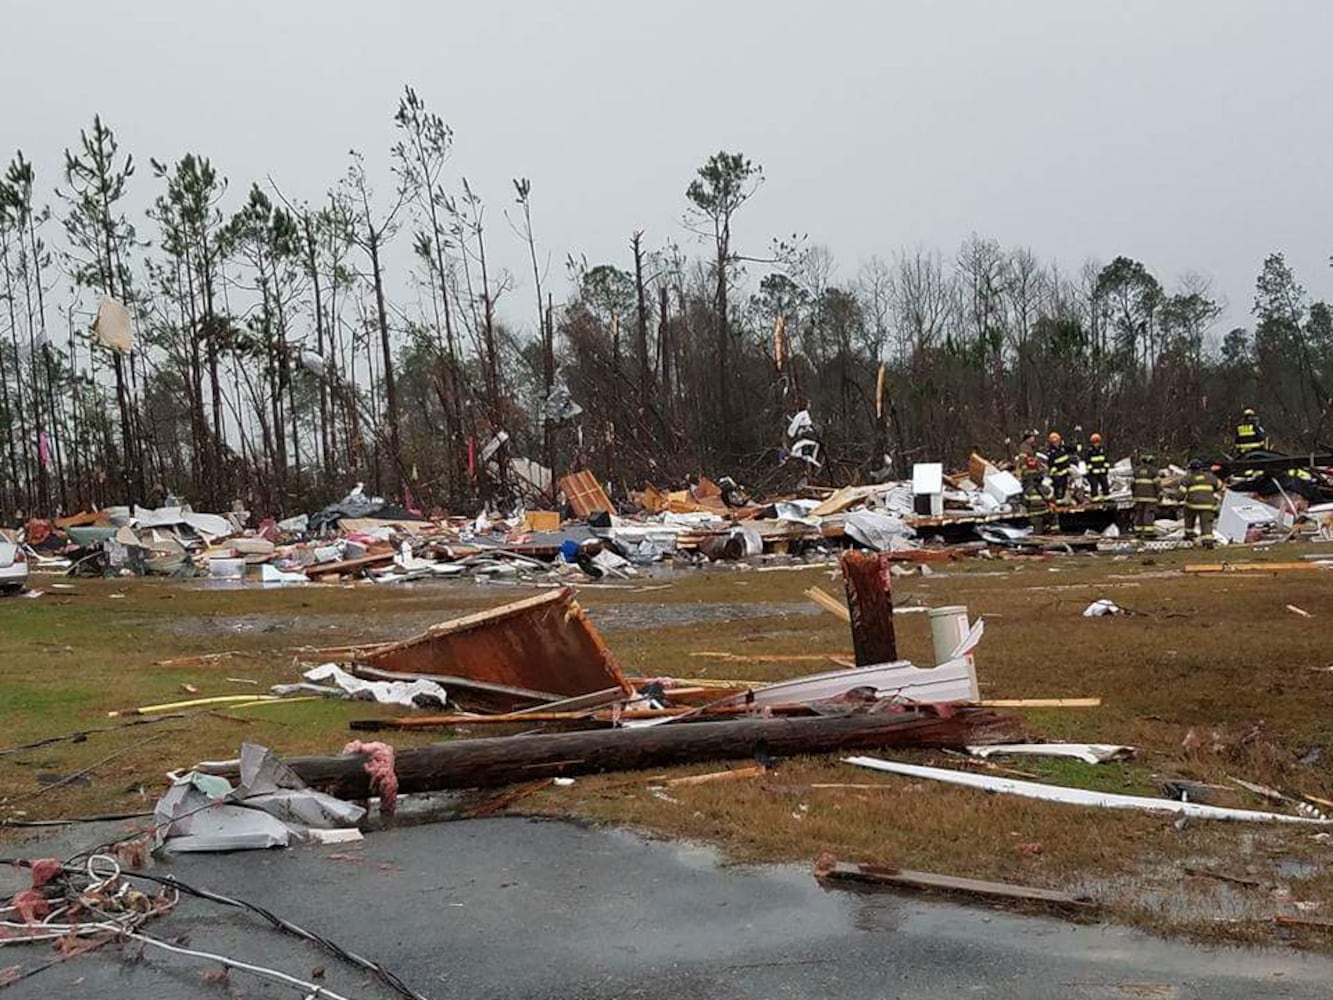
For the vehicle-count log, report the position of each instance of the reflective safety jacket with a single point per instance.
(1059, 458)
(1201, 490)
(1250, 437)
(1145, 484)
(1097, 460)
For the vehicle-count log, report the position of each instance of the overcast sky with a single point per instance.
(1191, 134)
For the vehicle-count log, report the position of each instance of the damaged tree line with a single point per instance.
(242, 343)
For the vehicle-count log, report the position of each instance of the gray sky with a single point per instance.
(1191, 134)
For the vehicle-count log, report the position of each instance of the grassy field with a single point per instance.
(1212, 677)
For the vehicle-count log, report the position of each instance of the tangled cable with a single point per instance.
(99, 902)
(72, 903)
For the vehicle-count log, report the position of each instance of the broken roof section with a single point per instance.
(538, 649)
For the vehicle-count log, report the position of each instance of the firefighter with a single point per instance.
(1027, 448)
(1099, 468)
(1250, 434)
(1036, 495)
(1059, 460)
(1145, 497)
(1302, 482)
(1201, 490)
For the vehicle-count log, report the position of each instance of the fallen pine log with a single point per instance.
(831, 870)
(502, 760)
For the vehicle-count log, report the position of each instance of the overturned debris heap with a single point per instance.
(932, 516)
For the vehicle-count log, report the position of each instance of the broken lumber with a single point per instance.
(222, 699)
(1040, 702)
(537, 715)
(870, 604)
(448, 681)
(704, 779)
(584, 493)
(829, 603)
(829, 869)
(320, 570)
(495, 761)
(1222, 876)
(767, 657)
(198, 661)
(1249, 567)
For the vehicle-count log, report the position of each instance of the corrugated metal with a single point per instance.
(544, 643)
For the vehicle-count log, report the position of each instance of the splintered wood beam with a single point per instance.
(870, 602)
(828, 870)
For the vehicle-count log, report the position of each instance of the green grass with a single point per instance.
(1210, 680)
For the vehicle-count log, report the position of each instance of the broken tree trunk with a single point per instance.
(484, 763)
(866, 576)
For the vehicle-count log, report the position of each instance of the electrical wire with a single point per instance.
(383, 974)
(310, 989)
(101, 888)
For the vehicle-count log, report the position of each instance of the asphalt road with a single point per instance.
(510, 908)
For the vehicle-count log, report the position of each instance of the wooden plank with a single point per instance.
(712, 776)
(769, 657)
(829, 603)
(1249, 567)
(541, 520)
(877, 875)
(584, 493)
(870, 602)
(844, 498)
(348, 565)
(1040, 702)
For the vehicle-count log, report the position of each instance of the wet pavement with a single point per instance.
(514, 908)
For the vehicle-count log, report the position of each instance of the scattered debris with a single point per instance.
(712, 776)
(540, 649)
(1102, 608)
(269, 806)
(1075, 796)
(828, 869)
(1089, 753)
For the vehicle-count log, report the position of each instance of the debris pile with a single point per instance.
(933, 516)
